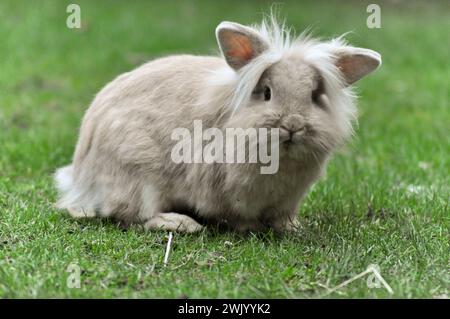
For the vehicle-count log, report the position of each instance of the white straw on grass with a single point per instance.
(381, 279)
(370, 269)
(169, 243)
(345, 283)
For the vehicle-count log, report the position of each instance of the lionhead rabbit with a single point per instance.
(123, 164)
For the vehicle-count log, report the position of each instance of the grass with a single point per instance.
(385, 199)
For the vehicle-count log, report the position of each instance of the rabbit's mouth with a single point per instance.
(301, 144)
(289, 137)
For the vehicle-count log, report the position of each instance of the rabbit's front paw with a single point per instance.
(81, 213)
(173, 222)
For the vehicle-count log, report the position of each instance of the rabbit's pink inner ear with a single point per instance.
(356, 66)
(239, 47)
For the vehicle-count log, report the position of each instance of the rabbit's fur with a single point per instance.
(122, 166)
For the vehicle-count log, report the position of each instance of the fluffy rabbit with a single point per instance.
(122, 166)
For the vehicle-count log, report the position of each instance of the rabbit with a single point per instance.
(263, 78)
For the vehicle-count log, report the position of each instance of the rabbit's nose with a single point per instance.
(293, 123)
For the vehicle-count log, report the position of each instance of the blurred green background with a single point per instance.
(384, 200)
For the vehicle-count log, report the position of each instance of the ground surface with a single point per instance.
(384, 200)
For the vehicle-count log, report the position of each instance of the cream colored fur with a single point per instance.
(122, 166)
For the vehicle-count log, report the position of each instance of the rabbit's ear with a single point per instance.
(356, 63)
(239, 44)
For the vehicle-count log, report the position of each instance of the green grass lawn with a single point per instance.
(385, 199)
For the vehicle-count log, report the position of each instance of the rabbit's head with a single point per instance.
(301, 86)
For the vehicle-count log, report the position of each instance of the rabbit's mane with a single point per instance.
(237, 87)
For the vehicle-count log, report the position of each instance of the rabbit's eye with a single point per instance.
(267, 93)
(318, 92)
(262, 92)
